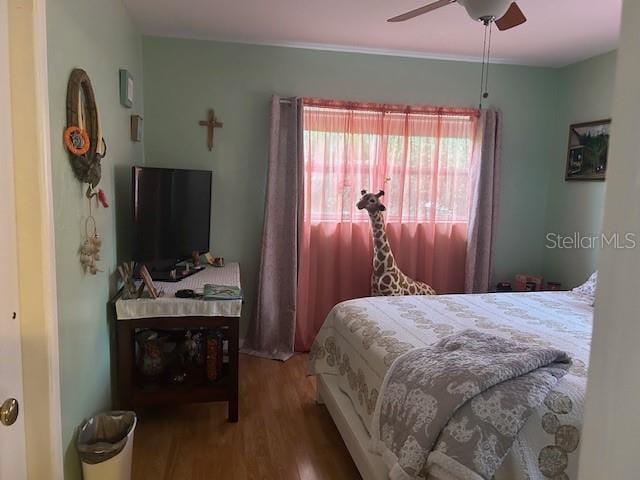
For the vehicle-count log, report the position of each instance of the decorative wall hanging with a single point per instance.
(82, 136)
(83, 139)
(76, 140)
(126, 88)
(588, 150)
(211, 123)
(90, 247)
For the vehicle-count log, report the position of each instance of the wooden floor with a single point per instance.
(282, 433)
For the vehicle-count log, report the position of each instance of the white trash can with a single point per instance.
(105, 446)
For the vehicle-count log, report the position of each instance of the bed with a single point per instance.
(361, 338)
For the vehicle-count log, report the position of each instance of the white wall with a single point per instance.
(611, 447)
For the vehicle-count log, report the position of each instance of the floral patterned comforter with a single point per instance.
(361, 338)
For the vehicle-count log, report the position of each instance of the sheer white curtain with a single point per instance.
(422, 158)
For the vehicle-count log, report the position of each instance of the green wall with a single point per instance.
(183, 78)
(586, 94)
(99, 37)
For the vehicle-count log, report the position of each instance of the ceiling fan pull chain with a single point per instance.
(485, 95)
(484, 58)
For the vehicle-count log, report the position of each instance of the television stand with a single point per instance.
(174, 316)
(170, 276)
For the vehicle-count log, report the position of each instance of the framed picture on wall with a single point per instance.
(136, 128)
(588, 150)
(126, 88)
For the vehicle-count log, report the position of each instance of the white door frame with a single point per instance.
(48, 240)
(13, 459)
(36, 240)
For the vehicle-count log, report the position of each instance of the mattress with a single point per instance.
(361, 338)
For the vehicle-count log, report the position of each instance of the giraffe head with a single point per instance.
(371, 202)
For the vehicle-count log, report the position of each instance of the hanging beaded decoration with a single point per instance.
(90, 247)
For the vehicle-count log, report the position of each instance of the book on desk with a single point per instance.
(221, 292)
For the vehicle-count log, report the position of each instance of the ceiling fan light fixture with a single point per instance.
(485, 10)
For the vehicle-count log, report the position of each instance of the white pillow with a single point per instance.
(588, 288)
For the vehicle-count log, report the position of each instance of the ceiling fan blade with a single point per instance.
(421, 11)
(512, 18)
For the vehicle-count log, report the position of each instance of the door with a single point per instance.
(12, 439)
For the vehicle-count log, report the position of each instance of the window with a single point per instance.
(421, 158)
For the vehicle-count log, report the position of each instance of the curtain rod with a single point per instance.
(288, 101)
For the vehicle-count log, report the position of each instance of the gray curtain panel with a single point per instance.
(271, 331)
(484, 206)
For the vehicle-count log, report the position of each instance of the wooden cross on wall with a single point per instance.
(211, 122)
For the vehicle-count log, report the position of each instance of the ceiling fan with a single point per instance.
(504, 13)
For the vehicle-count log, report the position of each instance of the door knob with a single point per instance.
(9, 411)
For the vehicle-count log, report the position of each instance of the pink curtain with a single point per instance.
(422, 159)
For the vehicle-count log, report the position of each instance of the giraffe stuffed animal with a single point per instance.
(387, 278)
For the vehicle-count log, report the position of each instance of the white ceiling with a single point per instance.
(559, 32)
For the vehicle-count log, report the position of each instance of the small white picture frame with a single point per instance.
(126, 88)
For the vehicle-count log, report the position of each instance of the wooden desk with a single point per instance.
(130, 317)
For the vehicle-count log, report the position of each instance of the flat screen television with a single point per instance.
(171, 216)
